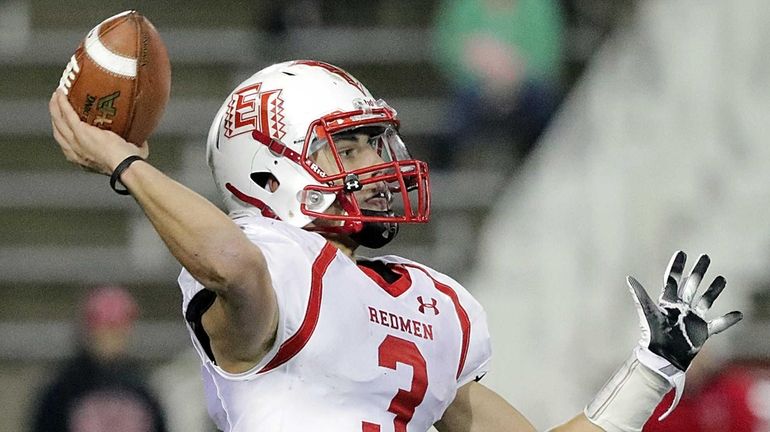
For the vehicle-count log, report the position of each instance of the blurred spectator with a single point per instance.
(717, 398)
(503, 59)
(101, 389)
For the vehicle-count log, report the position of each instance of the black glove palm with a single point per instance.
(673, 328)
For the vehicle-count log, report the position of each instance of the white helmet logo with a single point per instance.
(249, 110)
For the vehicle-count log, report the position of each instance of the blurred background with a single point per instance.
(571, 142)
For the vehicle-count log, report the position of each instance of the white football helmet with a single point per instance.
(273, 123)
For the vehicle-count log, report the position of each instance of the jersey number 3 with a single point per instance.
(396, 350)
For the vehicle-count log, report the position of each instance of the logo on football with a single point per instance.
(119, 78)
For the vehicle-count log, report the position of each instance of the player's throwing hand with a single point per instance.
(89, 147)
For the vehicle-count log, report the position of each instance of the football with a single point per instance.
(119, 78)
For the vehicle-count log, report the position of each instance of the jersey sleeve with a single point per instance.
(289, 254)
(477, 362)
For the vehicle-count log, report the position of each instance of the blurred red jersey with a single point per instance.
(736, 400)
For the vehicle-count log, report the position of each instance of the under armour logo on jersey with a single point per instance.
(432, 305)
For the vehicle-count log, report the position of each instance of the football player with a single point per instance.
(294, 331)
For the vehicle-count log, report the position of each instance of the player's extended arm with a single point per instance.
(673, 331)
(479, 409)
(201, 237)
(476, 408)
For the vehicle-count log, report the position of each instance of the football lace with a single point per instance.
(70, 72)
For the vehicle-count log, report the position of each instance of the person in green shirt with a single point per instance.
(503, 59)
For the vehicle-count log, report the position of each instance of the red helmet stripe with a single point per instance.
(336, 71)
(276, 147)
(259, 204)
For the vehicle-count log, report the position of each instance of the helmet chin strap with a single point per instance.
(375, 235)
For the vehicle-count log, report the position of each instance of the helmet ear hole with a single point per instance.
(265, 180)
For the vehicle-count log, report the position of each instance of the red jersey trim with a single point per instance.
(462, 316)
(298, 340)
(395, 289)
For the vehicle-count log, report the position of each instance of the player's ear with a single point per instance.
(272, 184)
(266, 180)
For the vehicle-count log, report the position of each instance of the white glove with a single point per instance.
(675, 329)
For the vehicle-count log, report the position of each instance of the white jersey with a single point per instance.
(352, 352)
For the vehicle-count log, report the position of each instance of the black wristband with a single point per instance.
(115, 177)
